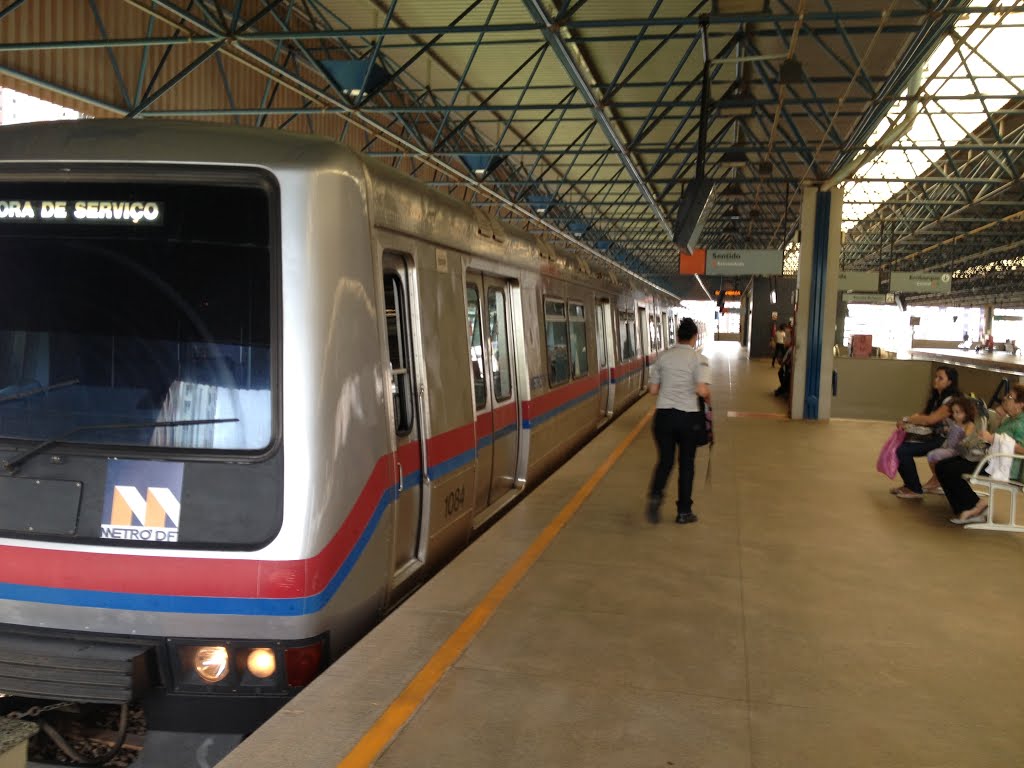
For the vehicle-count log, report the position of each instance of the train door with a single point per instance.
(645, 343)
(408, 456)
(605, 356)
(495, 386)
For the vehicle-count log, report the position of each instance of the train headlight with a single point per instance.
(211, 663)
(261, 663)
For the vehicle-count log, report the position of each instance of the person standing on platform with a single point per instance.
(677, 378)
(780, 345)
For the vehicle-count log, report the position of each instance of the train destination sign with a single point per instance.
(120, 211)
(921, 282)
(858, 281)
(743, 261)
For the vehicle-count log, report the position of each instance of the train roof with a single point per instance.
(168, 141)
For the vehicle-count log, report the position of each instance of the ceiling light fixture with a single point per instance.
(481, 164)
(540, 203)
(354, 77)
(734, 157)
(732, 190)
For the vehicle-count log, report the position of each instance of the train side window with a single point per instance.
(476, 346)
(556, 333)
(602, 355)
(399, 352)
(627, 335)
(578, 340)
(497, 323)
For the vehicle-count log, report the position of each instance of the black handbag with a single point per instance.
(706, 436)
(917, 433)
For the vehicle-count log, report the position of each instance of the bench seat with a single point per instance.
(987, 486)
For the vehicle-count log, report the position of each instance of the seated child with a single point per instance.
(963, 415)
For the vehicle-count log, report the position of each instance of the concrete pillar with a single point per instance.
(817, 296)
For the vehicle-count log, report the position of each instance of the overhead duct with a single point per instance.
(694, 209)
(901, 127)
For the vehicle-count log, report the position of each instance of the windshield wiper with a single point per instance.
(12, 464)
(37, 390)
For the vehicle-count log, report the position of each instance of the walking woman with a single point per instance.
(677, 378)
(924, 430)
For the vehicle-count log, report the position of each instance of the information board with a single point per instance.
(853, 297)
(858, 281)
(743, 261)
(920, 282)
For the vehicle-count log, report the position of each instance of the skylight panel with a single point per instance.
(962, 89)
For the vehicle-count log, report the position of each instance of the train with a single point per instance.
(255, 388)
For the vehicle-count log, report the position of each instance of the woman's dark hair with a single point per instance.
(953, 390)
(687, 329)
(966, 405)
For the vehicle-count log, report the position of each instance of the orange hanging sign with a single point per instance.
(691, 263)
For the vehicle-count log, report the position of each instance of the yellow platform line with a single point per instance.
(399, 712)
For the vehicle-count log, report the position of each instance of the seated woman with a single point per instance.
(945, 386)
(967, 507)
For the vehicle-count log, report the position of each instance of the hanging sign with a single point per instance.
(921, 282)
(743, 261)
(858, 281)
(853, 297)
(691, 263)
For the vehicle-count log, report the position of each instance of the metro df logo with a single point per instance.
(142, 500)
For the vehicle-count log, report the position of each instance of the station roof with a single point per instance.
(595, 122)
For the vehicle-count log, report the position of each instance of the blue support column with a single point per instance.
(821, 218)
(815, 304)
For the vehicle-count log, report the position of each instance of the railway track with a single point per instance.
(77, 734)
(106, 736)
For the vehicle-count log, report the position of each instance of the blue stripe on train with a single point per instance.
(537, 420)
(256, 606)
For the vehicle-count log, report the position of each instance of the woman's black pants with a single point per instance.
(958, 491)
(907, 452)
(676, 429)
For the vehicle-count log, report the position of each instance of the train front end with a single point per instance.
(144, 552)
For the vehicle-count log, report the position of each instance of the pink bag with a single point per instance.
(887, 462)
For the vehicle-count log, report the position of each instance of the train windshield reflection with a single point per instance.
(170, 323)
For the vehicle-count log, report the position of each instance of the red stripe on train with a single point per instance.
(537, 407)
(159, 574)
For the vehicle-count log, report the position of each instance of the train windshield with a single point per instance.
(137, 303)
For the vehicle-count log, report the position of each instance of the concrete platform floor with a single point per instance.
(808, 619)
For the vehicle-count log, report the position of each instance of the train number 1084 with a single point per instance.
(454, 500)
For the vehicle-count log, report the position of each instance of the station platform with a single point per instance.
(809, 618)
